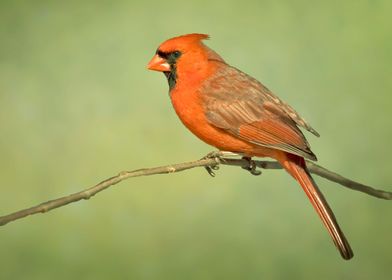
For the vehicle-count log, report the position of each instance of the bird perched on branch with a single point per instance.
(234, 112)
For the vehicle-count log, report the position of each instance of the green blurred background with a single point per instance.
(77, 105)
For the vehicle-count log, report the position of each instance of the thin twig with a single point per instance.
(334, 177)
(209, 161)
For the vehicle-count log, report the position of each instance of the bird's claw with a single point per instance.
(210, 170)
(217, 155)
(251, 167)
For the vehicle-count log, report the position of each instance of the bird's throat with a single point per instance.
(171, 77)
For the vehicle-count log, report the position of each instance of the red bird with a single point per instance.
(234, 112)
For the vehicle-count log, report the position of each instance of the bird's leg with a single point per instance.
(219, 156)
(213, 155)
(251, 166)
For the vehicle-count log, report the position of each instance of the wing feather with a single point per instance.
(245, 108)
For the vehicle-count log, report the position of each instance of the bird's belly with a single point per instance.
(191, 113)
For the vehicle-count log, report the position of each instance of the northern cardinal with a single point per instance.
(234, 112)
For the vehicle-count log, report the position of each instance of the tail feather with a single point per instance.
(296, 166)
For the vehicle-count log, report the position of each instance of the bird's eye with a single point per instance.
(176, 54)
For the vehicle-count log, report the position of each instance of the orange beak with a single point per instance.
(158, 63)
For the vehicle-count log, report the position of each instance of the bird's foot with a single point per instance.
(217, 156)
(251, 167)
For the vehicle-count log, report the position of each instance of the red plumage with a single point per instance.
(232, 111)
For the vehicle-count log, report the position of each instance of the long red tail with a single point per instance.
(296, 166)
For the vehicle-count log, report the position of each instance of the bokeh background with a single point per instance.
(77, 105)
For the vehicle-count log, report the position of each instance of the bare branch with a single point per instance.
(211, 161)
(334, 177)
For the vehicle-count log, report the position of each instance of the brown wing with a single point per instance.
(242, 106)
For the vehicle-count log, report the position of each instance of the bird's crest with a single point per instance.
(182, 42)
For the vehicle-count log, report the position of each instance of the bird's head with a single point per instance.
(181, 56)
